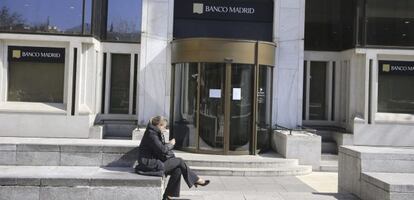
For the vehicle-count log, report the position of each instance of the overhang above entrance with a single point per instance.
(223, 50)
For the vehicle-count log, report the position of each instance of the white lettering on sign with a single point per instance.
(402, 68)
(51, 55)
(241, 10)
(40, 54)
(218, 9)
(30, 54)
(224, 9)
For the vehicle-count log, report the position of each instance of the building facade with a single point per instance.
(224, 72)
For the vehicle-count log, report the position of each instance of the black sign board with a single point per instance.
(230, 10)
(36, 54)
(236, 19)
(396, 67)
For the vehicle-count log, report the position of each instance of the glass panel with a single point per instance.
(330, 24)
(87, 25)
(120, 75)
(50, 16)
(212, 81)
(36, 82)
(264, 107)
(305, 88)
(395, 93)
(390, 22)
(317, 93)
(185, 105)
(241, 116)
(98, 27)
(124, 20)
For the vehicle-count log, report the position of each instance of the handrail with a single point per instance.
(299, 128)
(312, 130)
(278, 127)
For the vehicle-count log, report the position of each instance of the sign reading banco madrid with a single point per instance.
(245, 10)
(396, 67)
(199, 8)
(36, 54)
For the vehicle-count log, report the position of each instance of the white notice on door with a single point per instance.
(215, 93)
(236, 93)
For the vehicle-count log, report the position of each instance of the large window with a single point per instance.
(390, 23)
(36, 82)
(46, 16)
(124, 20)
(120, 83)
(395, 82)
(336, 25)
(330, 24)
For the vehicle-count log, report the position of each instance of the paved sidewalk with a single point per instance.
(316, 186)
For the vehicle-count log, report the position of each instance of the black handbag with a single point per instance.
(170, 154)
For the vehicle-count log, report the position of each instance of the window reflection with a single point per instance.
(184, 122)
(50, 16)
(394, 93)
(124, 20)
(264, 107)
(87, 25)
(120, 82)
(390, 23)
(36, 82)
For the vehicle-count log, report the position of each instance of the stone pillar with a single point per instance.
(154, 64)
(289, 23)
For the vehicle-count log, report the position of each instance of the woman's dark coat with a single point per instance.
(153, 151)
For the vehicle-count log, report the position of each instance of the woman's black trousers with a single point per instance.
(175, 167)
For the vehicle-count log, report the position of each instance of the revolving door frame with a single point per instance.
(228, 51)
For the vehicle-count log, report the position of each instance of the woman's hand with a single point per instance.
(172, 141)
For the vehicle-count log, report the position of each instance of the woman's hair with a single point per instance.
(158, 120)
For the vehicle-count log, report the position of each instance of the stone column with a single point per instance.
(154, 63)
(289, 23)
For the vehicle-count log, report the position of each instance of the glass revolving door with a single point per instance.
(217, 103)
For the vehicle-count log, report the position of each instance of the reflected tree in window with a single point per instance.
(124, 20)
(46, 16)
(9, 20)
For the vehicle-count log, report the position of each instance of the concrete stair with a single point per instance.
(38, 169)
(227, 171)
(329, 148)
(270, 164)
(375, 172)
(329, 163)
(33, 168)
(387, 186)
(62, 182)
(120, 128)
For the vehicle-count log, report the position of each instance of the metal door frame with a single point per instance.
(215, 50)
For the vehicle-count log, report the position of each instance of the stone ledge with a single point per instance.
(67, 152)
(55, 176)
(379, 153)
(391, 182)
(354, 161)
(301, 145)
(79, 193)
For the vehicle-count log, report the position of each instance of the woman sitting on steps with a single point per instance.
(155, 155)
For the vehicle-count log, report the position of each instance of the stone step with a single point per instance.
(67, 152)
(328, 166)
(224, 171)
(390, 186)
(241, 164)
(112, 130)
(93, 183)
(327, 156)
(269, 160)
(329, 163)
(118, 153)
(329, 148)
